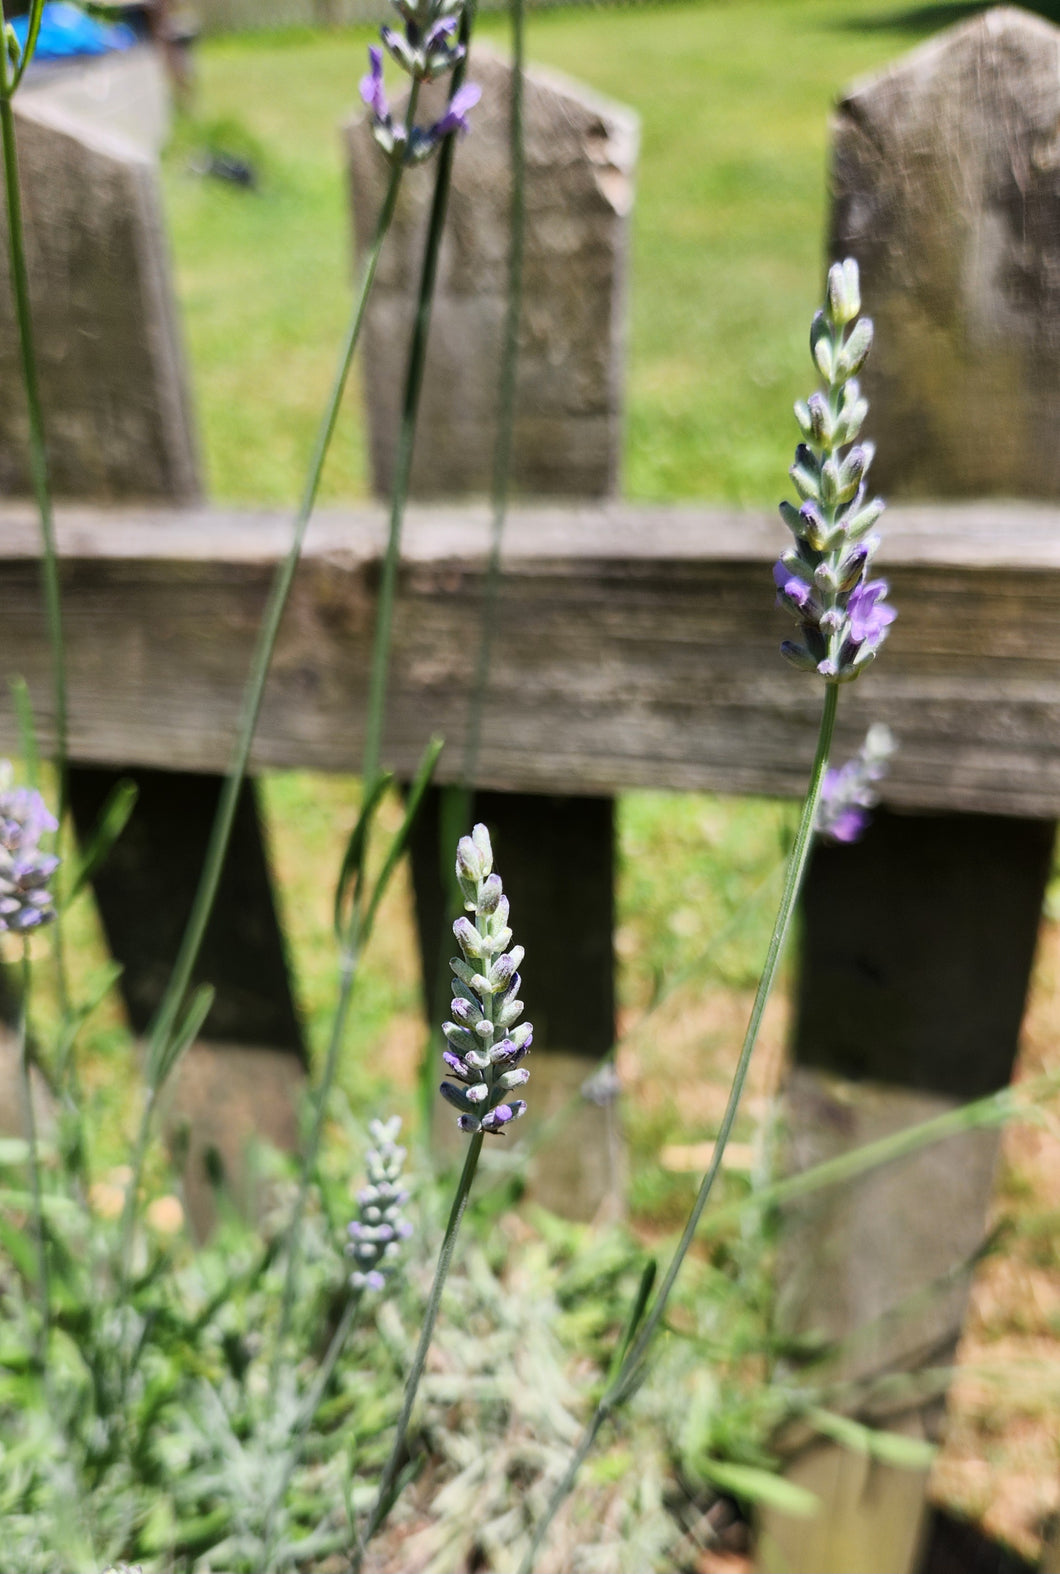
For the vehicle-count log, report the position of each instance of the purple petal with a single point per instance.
(372, 90)
(455, 117)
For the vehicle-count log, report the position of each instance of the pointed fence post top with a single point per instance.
(580, 158)
(946, 187)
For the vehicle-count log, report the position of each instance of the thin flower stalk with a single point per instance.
(457, 802)
(26, 904)
(821, 581)
(445, 142)
(486, 1047)
(13, 64)
(502, 452)
(374, 1244)
(630, 1372)
(165, 1023)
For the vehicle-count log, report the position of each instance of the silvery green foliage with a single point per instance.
(25, 871)
(823, 579)
(426, 48)
(849, 793)
(485, 1044)
(380, 1227)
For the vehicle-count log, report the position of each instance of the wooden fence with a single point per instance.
(639, 650)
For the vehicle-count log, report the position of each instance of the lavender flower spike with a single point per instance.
(25, 900)
(849, 793)
(379, 1227)
(486, 1040)
(822, 580)
(427, 47)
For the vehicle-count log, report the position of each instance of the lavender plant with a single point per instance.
(27, 902)
(26, 869)
(380, 1226)
(487, 1044)
(823, 579)
(436, 22)
(843, 619)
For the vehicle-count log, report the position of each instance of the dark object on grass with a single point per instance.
(226, 166)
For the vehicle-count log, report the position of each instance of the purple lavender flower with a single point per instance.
(379, 1228)
(25, 900)
(848, 793)
(455, 117)
(486, 1040)
(426, 48)
(869, 618)
(372, 89)
(822, 580)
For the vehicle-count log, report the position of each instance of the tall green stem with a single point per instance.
(305, 1418)
(456, 801)
(388, 1481)
(502, 452)
(30, 1123)
(38, 457)
(410, 404)
(221, 832)
(379, 672)
(631, 1369)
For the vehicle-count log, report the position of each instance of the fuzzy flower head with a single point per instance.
(427, 46)
(380, 1227)
(823, 579)
(486, 1041)
(25, 871)
(848, 793)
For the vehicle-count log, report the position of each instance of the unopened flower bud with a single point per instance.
(854, 353)
(844, 292)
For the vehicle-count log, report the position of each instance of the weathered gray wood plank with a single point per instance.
(639, 647)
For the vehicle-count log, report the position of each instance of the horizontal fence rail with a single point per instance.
(637, 647)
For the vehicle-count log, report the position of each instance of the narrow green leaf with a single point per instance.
(113, 818)
(27, 729)
(420, 783)
(752, 1484)
(352, 870)
(19, 1248)
(403, 1479)
(636, 1313)
(36, 12)
(161, 1065)
(891, 1448)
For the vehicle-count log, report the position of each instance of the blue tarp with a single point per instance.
(65, 31)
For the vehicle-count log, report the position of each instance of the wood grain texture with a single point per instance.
(638, 647)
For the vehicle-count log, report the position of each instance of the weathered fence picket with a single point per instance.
(119, 426)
